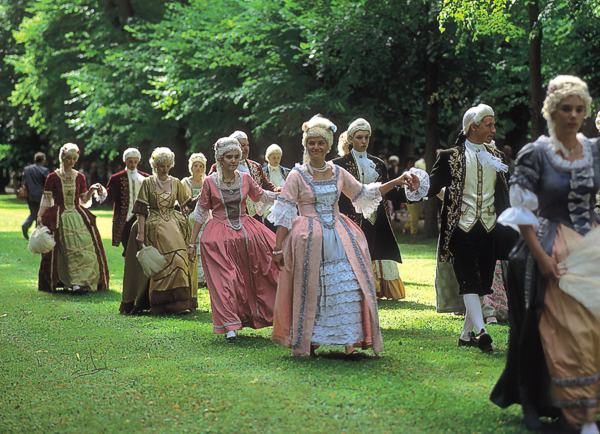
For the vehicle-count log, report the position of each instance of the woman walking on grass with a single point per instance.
(553, 361)
(235, 248)
(326, 292)
(77, 262)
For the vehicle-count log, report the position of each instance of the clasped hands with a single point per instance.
(409, 180)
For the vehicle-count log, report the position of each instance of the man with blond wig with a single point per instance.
(123, 188)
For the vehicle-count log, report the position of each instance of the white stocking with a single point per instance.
(474, 314)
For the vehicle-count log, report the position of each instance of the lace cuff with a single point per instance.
(200, 214)
(283, 213)
(101, 194)
(266, 199)
(421, 192)
(516, 216)
(367, 201)
(522, 197)
(47, 200)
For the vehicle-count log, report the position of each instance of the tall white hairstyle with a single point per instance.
(67, 149)
(317, 126)
(162, 155)
(222, 147)
(475, 115)
(239, 135)
(559, 88)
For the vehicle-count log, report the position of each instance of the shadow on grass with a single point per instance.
(401, 305)
(86, 297)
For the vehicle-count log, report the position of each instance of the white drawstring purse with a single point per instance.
(41, 240)
(151, 260)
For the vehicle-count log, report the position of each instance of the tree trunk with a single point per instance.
(180, 149)
(120, 11)
(535, 69)
(432, 139)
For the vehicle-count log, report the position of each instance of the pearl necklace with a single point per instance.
(322, 169)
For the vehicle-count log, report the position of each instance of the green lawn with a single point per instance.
(73, 364)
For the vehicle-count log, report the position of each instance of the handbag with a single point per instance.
(41, 240)
(151, 260)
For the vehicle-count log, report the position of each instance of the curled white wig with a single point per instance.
(222, 147)
(559, 88)
(162, 155)
(318, 126)
(131, 153)
(475, 115)
(343, 145)
(196, 157)
(273, 149)
(67, 149)
(239, 135)
(359, 124)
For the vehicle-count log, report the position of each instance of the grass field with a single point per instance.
(72, 364)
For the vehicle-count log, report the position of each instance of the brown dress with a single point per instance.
(166, 229)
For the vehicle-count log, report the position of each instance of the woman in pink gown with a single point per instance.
(235, 248)
(326, 293)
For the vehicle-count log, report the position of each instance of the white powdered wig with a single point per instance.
(131, 152)
(162, 155)
(239, 135)
(559, 88)
(475, 115)
(359, 124)
(273, 149)
(318, 126)
(343, 145)
(195, 157)
(67, 149)
(222, 147)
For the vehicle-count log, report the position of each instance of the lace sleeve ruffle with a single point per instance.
(101, 194)
(421, 192)
(267, 198)
(523, 202)
(368, 199)
(201, 215)
(47, 200)
(283, 213)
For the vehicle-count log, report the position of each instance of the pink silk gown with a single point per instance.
(236, 255)
(326, 292)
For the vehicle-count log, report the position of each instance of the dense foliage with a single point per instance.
(109, 74)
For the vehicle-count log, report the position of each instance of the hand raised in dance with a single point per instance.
(410, 180)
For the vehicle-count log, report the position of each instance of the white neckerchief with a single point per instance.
(275, 176)
(485, 158)
(366, 167)
(135, 182)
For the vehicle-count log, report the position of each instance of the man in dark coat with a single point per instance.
(122, 190)
(476, 192)
(34, 177)
(383, 246)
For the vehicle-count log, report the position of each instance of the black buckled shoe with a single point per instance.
(470, 343)
(484, 342)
